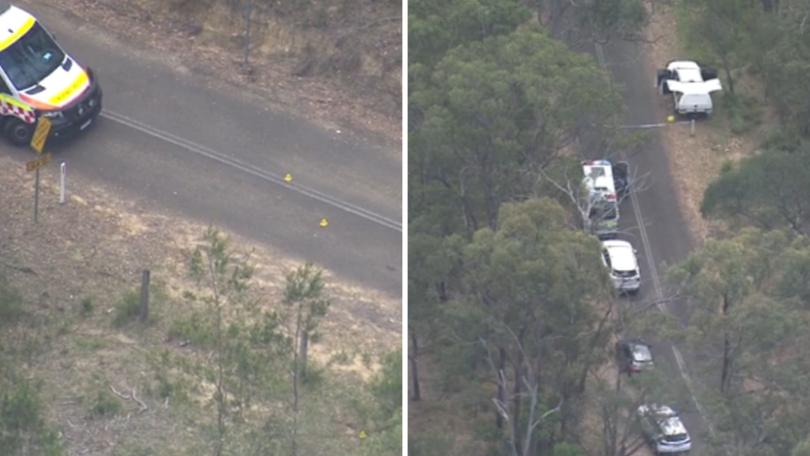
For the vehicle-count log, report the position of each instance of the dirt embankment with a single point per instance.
(337, 62)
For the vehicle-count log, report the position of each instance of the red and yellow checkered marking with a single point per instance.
(11, 107)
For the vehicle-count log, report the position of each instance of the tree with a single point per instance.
(225, 278)
(436, 27)
(434, 264)
(532, 284)
(593, 20)
(784, 60)
(747, 331)
(303, 295)
(767, 190)
(385, 433)
(722, 30)
(496, 112)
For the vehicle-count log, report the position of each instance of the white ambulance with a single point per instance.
(38, 78)
(603, 200)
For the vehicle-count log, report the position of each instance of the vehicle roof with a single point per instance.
(622, 256)
(666, 418)
(599, 175)
(682, 64)
(641, 352)
(13, 21)
(687, 70)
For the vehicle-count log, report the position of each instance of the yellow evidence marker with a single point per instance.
(670, 119)
(288, 178)
(324, 222)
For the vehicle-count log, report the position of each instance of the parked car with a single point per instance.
(633, 356)
(620, 259)
(663, 429)
(690, 86)
(621, 179)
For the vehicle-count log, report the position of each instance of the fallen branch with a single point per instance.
(140, 402)
(130, 397)
(122, 396)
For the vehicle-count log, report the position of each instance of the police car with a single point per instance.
(690, 86)
(603, 200)
(38, 78)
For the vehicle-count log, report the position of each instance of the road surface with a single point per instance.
(172, 138)
(654, 223)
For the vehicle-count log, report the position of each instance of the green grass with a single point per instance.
(104, 404)
(89, 343)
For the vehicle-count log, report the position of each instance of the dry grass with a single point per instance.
(95, 247)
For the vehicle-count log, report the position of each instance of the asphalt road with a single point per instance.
(177, 140)
(653, 223)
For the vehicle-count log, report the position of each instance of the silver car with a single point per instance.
(663, 429)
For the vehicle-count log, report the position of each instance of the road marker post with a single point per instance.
(36, 198)
(692, 127)
(62, 172)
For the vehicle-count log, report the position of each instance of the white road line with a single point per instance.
(645, 240)
(254, 170)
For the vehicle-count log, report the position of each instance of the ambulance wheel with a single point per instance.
(18, 132)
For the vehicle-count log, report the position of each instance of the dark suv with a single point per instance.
(633, 356)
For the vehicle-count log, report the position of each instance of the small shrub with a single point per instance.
(168, 389)
(11, 303)
(744, 113)
(341, 358)
(105, 404)
(430, 444)
(195, 329)
(89, 343)
(314, 377)
(128, 308)
(22, 427)
(87, 307)
(366, 359)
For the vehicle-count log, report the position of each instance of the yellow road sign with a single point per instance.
(34, 165)
(41, 134)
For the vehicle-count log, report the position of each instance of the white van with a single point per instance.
(38, 78)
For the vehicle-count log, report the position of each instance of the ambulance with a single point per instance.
(38, 78)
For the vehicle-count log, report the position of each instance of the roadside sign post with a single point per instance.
(38, 143)
(62, 170)
(36, 197)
